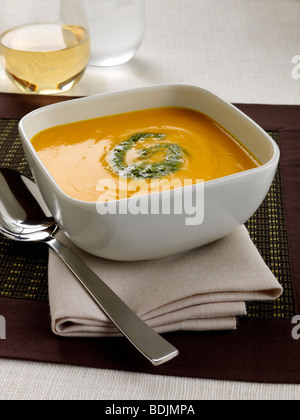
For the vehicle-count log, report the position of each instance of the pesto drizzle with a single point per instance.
(172, 163)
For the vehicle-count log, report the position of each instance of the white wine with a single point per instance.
(45, 58)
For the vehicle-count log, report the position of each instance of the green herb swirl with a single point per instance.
(173, 162)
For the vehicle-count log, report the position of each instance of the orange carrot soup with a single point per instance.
(138, 149)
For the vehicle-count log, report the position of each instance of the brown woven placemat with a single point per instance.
(23, 267)
(23, 270)
(268, 231)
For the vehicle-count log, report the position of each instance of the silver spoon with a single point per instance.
(23, 218)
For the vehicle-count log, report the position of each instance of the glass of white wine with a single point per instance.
(44, 45)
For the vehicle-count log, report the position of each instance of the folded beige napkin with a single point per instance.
(204, 289)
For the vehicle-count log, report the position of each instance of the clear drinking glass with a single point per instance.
(117, 29)
(45, 45)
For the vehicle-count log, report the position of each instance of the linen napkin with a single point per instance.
(200, 290)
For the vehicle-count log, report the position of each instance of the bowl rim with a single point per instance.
(274, 160)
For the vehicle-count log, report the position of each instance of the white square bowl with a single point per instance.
(227, 203)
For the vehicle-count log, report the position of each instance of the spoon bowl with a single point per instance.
(24, 217)
(20, 213)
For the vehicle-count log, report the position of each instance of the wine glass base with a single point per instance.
(32, 88)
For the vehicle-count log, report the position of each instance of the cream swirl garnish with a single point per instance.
(173, 161)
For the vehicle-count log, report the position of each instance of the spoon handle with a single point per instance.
(154, 347)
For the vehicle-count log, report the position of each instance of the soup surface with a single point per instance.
(131, 154)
